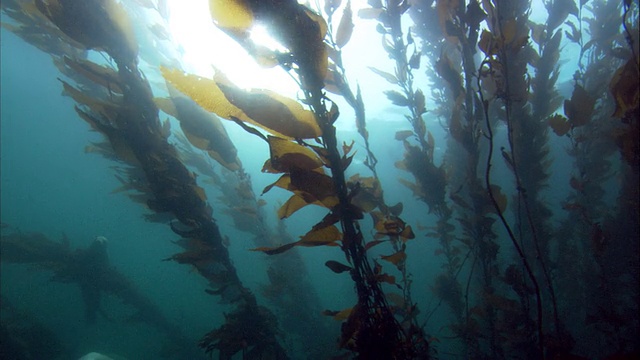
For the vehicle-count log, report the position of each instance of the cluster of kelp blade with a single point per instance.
(494, 82)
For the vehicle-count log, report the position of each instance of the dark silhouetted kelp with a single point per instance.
(533, 265)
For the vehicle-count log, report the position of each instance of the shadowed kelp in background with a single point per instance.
(538, 246)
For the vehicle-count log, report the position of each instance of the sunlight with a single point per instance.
(207, 48)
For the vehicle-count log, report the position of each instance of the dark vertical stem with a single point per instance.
(523, 258)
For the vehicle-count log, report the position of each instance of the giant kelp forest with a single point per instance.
(518, 145)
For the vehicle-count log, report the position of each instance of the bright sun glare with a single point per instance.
(206, 47)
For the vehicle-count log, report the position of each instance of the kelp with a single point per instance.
(132, 124)
(83, 268)
(450, 33)
(587, 209)
(495, 87)
(302, 33)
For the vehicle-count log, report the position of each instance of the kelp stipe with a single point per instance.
(370, 196)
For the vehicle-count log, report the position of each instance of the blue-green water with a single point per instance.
(54, 182)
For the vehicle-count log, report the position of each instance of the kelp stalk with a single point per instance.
(512, 237)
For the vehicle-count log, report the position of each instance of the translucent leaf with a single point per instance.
(395, 258)
(231, 14)
(403, 134)
(166, 105)
(287, 155)
(501, 199)
(396, 98)
(345, 28)
(206, 132)
(275, 113)
(322, 236)
(295, 203)
(407, 233)
(559, 124)
(389, 77)
(283, 182)
(318, 186)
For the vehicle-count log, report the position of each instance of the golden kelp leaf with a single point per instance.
(311, 52)
(272, 111)
(395, 258)
(345, 28)
(166, 105)
(277, 114)
(295, 203)
(322, 236)
(231, 14)
(407, 233)
(625, 90)
(319, 186)
(559, 124)
(403, 134)
(501, 199)
(287, 155)
(538, 32)
(205, 92)
(283, 182)
(365, 200)
(488, 43)
(325, 236)
(337, 267)
(389, 77)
